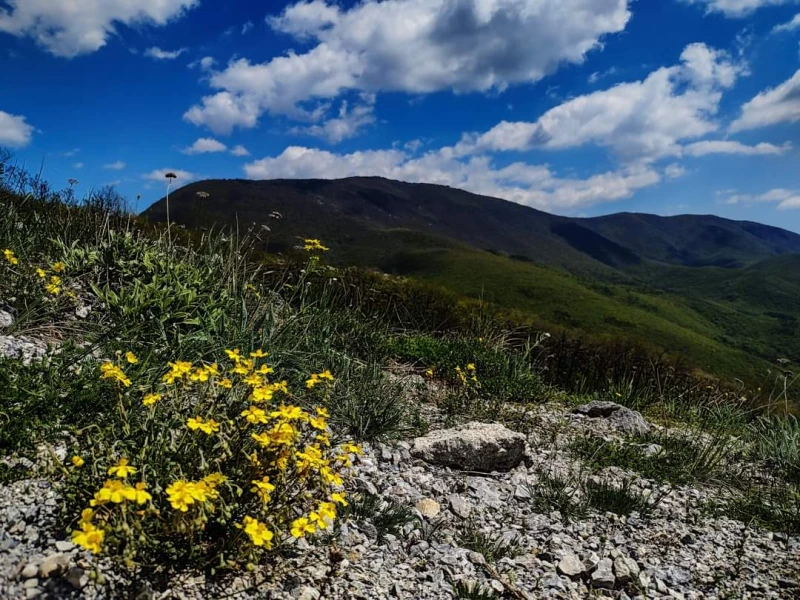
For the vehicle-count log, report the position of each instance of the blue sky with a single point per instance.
(579, 107)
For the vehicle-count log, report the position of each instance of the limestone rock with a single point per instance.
(603, 576)
(428, 508)
(571, 566)
(622, 418)
(483, 447)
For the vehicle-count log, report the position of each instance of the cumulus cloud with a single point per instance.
(160, 175)
(14, 131)
(205, 63)
(159, 54)
(789, 26)
(77, 165)
(532, 185)
(642, 120)
(115, 166)
(205, 146)
(777, 105)
(413, 46)
(674, 171)
(783, 198)
(240, 151)
(68, 28)
(736, 8)
(730, 147)
(349, 122)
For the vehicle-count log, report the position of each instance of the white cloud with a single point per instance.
(790, 203)
(160, 175)
(783, 198)
(674, 171)
(642, 120)
(159, 54)
(247, 27)
(532, 185)
(412, 46)
(777, 105)
(205, 63)
(598, 75)
(205, 146)
(348, 123)
(737, 8)
(77, 165)
(71, 27)
(72, 152)
(789, 26)
(115, 166)
(14, 131)
(730, 147)
(240, 151)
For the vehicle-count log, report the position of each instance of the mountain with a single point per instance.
(721, 293)
(345, 211)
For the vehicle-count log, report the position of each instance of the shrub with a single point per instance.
(213, 464)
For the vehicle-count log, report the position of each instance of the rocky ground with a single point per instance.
(464, 519)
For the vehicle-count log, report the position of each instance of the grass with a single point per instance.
(682, 459)
(561, 493)
(777, 442)
(622, 499)
(386, 516)
(472, 590)
(492, 547)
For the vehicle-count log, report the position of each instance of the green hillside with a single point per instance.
(721, 294)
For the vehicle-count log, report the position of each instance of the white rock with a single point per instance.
(603, 576)
(571, 566)
(483, 447)
(428, 507)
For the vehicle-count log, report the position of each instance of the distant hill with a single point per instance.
(722, 293)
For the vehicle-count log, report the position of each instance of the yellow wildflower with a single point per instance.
(58, 267)
(263, 488)
(330, 476)
(77, 461)
(137, 494)
(226, 383)
(208, 427)
(10, 256)
(178, 370)
(264, 370)
(318, 423)
(254, 380)
(314, 245)
(151, 399)
(131, 357)
(352, 448)
(234, 355)
(290, 413)
(122, 469)
(262, 394)
(259, 354)
(86, 515)
(215, 479)
(112, 491)
(89, 537)
(180, 495)
(258, 532)
(338, 498)
(327, 510)
(41, 273)
(255, 415)
(302, 526)
(317, 520)
(109, 370)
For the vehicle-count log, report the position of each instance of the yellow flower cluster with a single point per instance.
(10, 257)
(314, 245)
(468, 374)
(114, 491)
(182, 494)
(208, 427)
(317, 378)
(109, 370)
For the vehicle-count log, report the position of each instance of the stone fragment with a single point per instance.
(571, 566)
(482, 447)
(428, 508)
(621, 418)
(603, 576)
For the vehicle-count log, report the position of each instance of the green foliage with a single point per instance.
(387, 516)
(621, 499)
(562, 493)
(777, 442)
(682, 458)
(492, 547)
(473, 590)
(770, 505)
